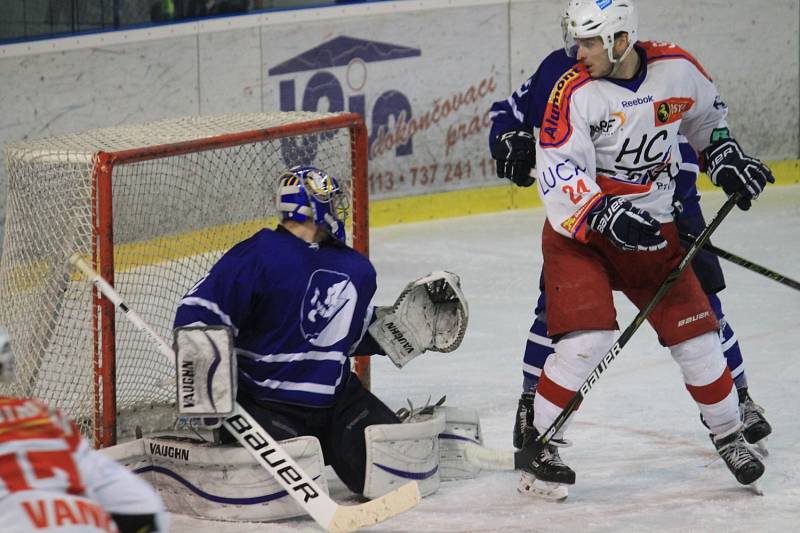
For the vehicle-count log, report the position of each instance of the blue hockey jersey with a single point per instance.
(297, 312)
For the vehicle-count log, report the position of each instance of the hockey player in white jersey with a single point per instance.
(298, 302)
(606, 137)
(51, 481)
(690, 221)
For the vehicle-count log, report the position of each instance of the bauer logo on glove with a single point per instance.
(430, 314)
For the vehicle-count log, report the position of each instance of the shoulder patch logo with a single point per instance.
(328, 308)
(556, 128)
(671, 110)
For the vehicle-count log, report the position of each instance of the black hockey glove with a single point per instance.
(729, 168)
(627, 227)
(515, 153)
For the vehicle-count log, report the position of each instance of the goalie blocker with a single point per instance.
(205, 366)
(431, 313)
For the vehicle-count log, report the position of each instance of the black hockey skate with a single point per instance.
(524, 417)
(544, 473)
(756, 426)
(741, 460)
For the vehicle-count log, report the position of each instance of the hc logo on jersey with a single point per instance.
(328, 307)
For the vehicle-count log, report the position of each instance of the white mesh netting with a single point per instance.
(173, 218)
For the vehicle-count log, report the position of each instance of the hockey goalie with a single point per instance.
(272, 326)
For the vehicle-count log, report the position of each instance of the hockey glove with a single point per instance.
(729, 168)
(627, 227)
(430, 314)
(515, 153)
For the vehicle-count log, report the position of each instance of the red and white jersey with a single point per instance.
(40, 449)
(38, 511)
(51, 480)
(603, 137)
(41, 486)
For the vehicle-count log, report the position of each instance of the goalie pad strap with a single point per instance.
(462, 426)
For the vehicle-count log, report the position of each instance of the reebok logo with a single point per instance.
(684, 321)
(638, 101)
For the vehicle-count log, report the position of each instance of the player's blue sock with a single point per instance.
(730, 344)
(537, 350)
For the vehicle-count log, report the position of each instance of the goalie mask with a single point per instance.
(584, 19)
(307, 193)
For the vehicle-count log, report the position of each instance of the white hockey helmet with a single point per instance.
(584, 19)
(6, 358)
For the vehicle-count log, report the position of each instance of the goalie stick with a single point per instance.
(268, 452)
(491, 459)
(742, 262)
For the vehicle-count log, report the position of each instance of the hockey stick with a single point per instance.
(742, 262)
(269, 454)
(500, 460)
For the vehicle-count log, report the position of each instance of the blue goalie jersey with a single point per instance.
(297, 312)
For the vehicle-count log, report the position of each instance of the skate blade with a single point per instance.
(755, 488)
(760, 448)
(529, 484)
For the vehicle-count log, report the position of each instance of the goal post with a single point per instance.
(153, 206)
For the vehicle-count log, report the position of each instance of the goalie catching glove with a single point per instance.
(430, 314)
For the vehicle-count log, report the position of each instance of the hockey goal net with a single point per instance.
(153, 206)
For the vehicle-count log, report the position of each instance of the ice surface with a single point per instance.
(643, 460)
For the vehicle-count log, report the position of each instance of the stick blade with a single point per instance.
(488, 458)
(354, 517)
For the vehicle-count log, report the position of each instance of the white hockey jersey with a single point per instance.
(620, 137)
(52, 481)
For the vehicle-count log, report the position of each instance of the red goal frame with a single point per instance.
(104, 313)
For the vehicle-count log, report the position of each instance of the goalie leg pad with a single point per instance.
(398, 453)
(218, 482)
(462, 426)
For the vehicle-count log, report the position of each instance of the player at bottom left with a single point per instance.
(51, 480)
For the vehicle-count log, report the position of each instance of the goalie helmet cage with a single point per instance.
(153, 206)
